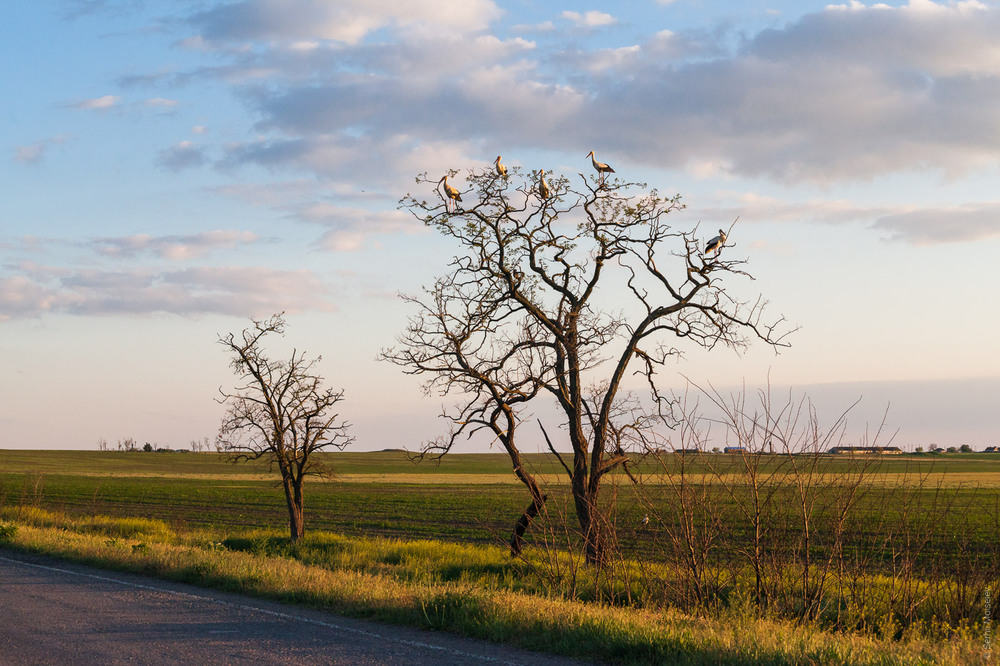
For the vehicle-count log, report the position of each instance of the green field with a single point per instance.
(923, 532)
(463, 498)
(372, 494)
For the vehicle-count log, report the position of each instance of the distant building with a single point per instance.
(992, 449)
(734, 449)
(683, 451)
(865, 450)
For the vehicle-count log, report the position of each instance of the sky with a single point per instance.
(170, 169)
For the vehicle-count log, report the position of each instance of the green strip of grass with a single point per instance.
(451, 601)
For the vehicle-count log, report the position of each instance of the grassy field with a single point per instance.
(465, 498)
(205, 491)
(433, 530)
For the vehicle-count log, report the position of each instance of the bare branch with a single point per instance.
(279, 412)
(522, 315)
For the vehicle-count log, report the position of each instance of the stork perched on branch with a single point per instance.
(601, 167)
(716, 243)
(452, 195)
(543, 187)
(501, 169)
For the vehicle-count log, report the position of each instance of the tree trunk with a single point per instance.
(517, 539)
(591, 525)
(293, 497)
(537, 498)
(593, 532)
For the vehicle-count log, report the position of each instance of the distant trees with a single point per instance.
(279, 412)
(558, 294)
(200, 445)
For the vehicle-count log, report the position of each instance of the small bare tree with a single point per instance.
(280, 412)
(558, 294)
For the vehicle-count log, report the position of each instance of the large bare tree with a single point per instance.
(562, 293)
(280, 412)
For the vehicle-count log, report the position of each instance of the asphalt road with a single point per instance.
(54, 612)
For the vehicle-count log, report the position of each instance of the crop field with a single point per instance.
(461, 497)
(471, 498)
(915, 555)
(376, 494)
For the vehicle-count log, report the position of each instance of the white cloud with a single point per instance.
(31, 153)
(915, 225)
(751, 207)
(233, 290)
(99, 103)
(949, 224)
(174, 248)
(372, 163)
(353, 229)
(22, 297)
(545, 26)
(620, 58)
(160, 102)
(837, 95)
(590, 19)
(35, 152)
(346, 21)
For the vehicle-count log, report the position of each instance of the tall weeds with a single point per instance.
(780, 528)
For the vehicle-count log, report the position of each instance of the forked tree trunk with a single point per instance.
(537, 498)
(517, 539)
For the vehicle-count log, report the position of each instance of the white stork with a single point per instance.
(501, 169)
(543, 187)
(716, 243)
(601, 167)
(451, 193)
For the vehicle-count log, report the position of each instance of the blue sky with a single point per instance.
(170, 169)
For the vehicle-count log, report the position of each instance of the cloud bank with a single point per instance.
(844, 94)
(233, 290)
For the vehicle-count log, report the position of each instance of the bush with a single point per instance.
(7, 532)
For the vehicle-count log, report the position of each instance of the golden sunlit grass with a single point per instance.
(455, 587)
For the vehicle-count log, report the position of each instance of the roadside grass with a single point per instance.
(122, 528)
(460, 588)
